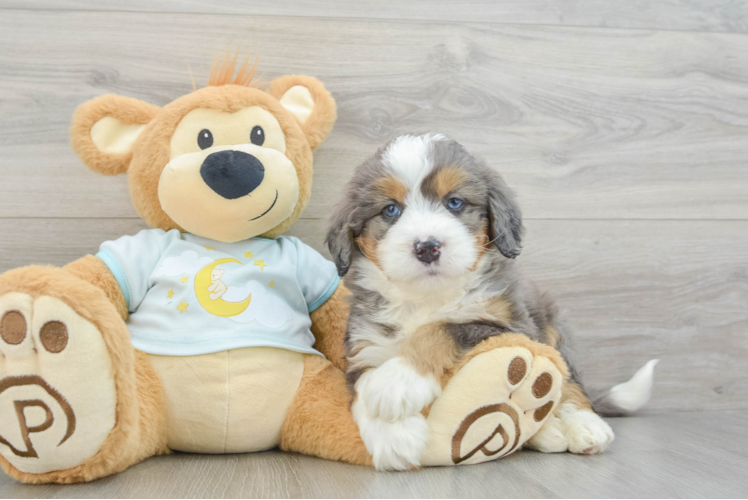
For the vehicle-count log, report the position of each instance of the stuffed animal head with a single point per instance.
(226, 162)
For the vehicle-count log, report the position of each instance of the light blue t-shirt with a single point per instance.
(189, 295)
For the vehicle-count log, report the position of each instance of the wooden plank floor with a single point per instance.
(696, 454)
(623, 127)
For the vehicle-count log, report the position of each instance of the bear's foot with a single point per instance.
(57, 394)
(500, 396)
(59, 383)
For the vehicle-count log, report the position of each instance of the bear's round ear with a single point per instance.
(309, 102)
(104, 131)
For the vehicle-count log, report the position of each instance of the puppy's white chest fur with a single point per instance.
(410, 306)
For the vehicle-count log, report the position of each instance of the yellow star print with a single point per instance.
(170, 294)
(248, 255)
(261, 264)
(271, 284)
(208, 248)
(182, 307)
(183, 279)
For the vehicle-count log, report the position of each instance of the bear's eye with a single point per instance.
(257, 136)
(204, 139)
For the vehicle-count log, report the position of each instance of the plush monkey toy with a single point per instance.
(211, 332)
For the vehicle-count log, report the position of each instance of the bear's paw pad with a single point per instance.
(495, 403)
(57, 392)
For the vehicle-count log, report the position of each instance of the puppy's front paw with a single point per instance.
(586, 431)
(396, 445)
(550, 438)
(394, 391)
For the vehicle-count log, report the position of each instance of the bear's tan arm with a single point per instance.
(329, 322)
(93, 270)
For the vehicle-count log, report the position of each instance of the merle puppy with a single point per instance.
(426, 236)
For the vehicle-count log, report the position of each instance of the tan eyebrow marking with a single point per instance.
(448, 179)
(391, 188)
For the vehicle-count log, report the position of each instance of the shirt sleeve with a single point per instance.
(317, 276)
(132, 259)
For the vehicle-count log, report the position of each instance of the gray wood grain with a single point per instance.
(583, 123)
(670, 455)
(635, 290)
(627, 148)
(691, 15)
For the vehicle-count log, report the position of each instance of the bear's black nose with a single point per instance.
(232, 174)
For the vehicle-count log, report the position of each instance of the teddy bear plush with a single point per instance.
(211, 332)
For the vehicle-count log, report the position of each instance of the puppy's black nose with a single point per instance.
(427, 251)
(232, 174)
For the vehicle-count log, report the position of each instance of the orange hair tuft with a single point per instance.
(223, 68)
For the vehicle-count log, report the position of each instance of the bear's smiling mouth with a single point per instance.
(269, 209)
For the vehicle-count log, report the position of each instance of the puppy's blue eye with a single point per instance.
(391, 211)
(454, 204)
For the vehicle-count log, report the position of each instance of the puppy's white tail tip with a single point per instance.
(632, 395)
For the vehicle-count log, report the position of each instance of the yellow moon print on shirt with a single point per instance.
(209, 290)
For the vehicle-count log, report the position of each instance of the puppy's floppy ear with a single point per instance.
(104, 131)
(309, 102)
(505, 222)
(340, 235)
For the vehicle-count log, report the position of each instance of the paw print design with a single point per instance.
(493, 404)
(57, 393)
